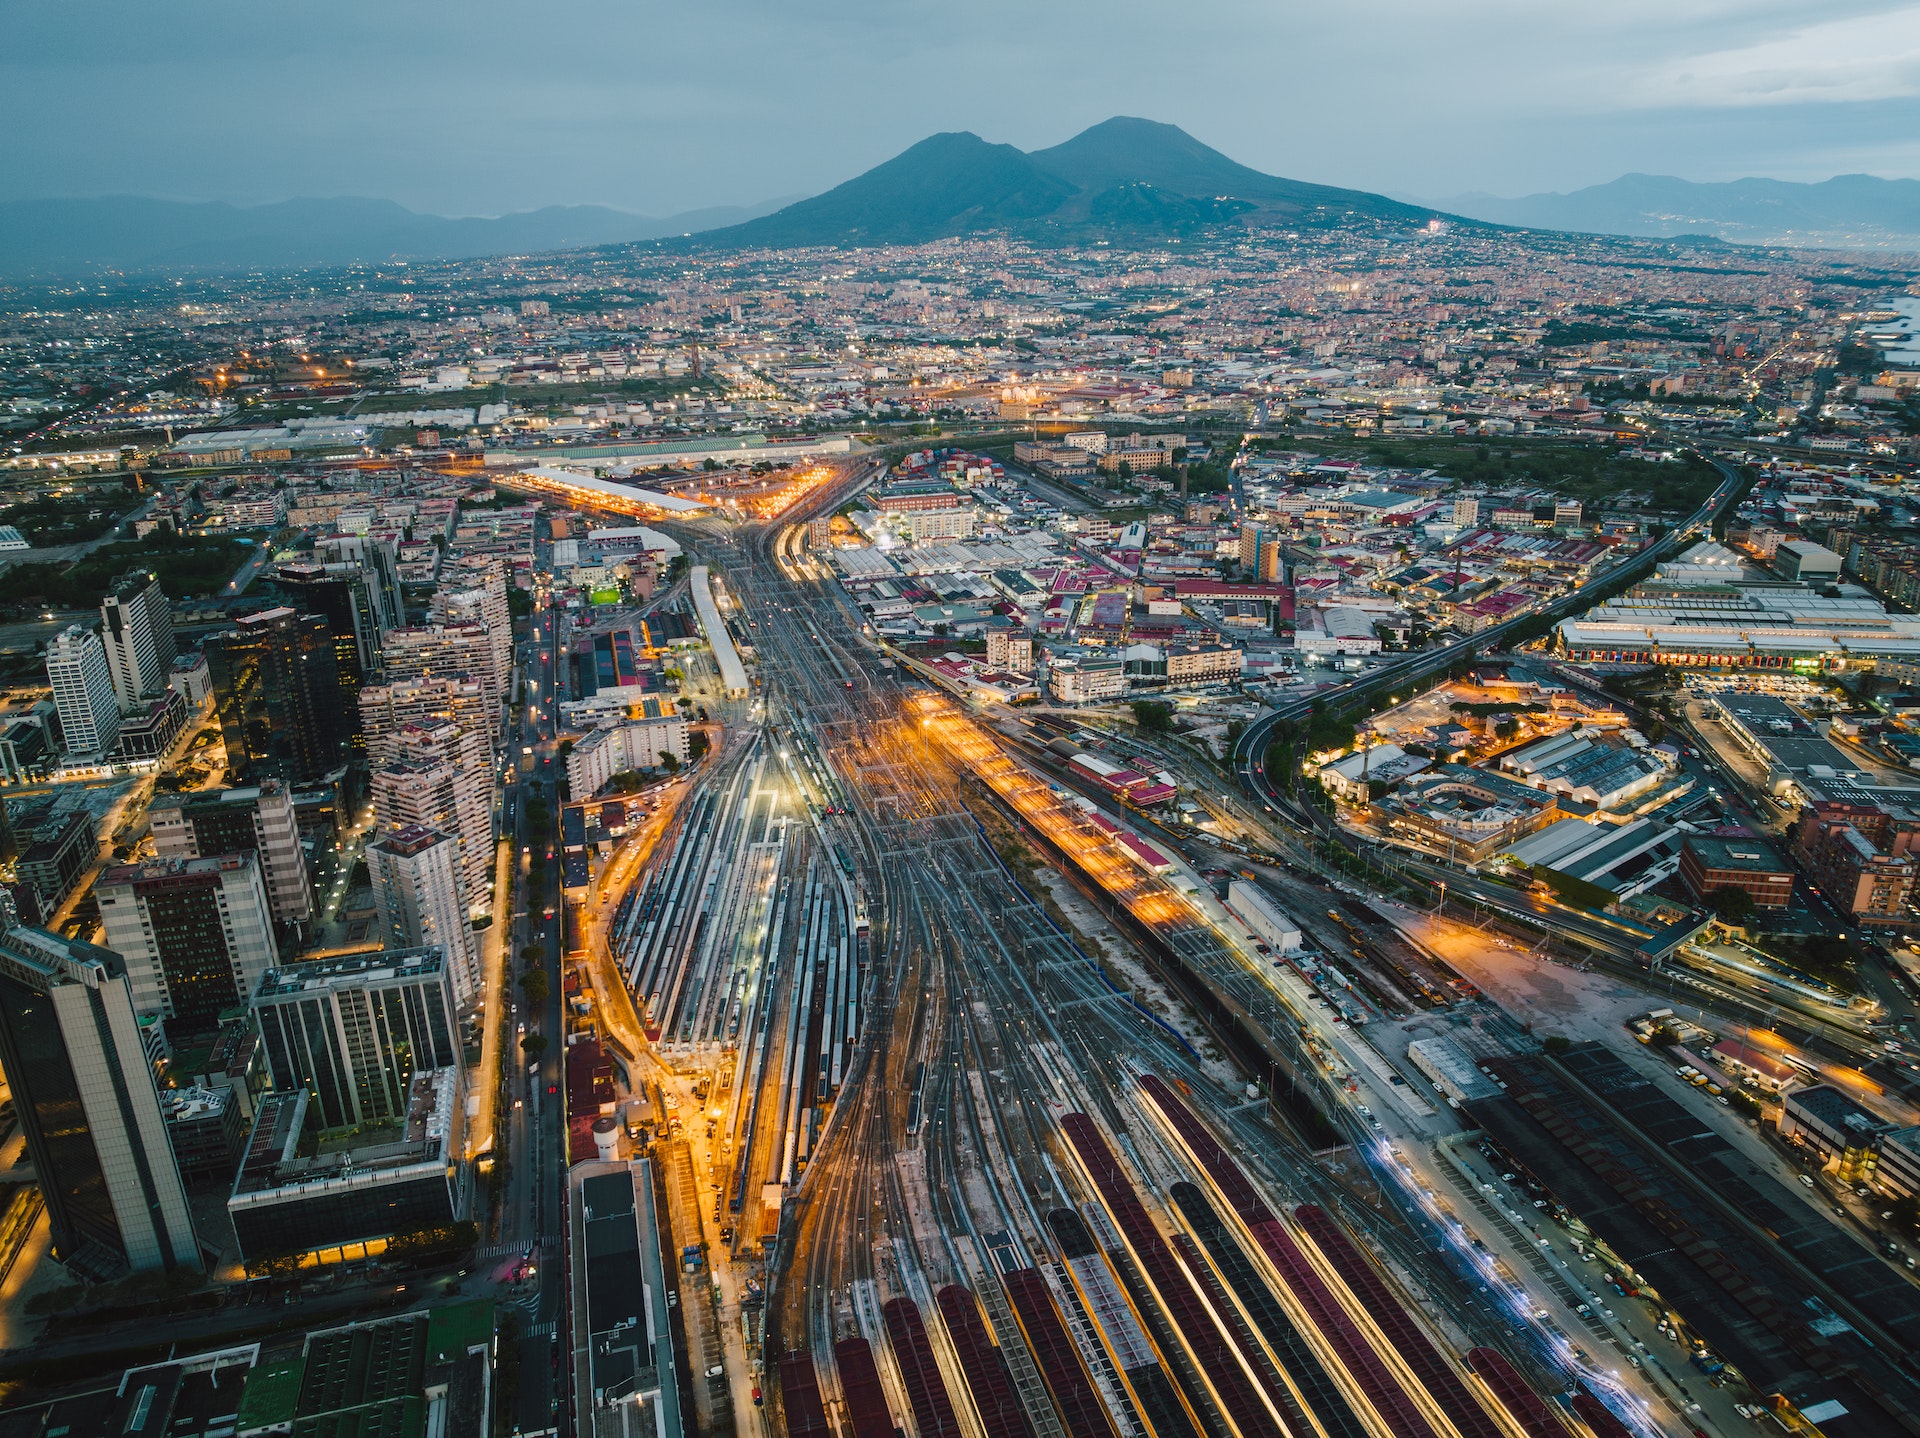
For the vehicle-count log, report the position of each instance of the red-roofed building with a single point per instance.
(1757, 1065)
(1144, 854)
(1186, 589)
(589, 1095)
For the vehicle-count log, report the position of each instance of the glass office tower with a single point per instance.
(276, 685)
(84, 1094)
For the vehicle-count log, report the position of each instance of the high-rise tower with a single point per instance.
(83, 691)
(276, 684)
(137, 628)
(84, 1094)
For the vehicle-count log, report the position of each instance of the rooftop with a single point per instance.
(1743, 855)
(351, 970)
(273, 1167)
(411, 840)
(399, 1377)
(163, 871)
(1834, 1109)
(272, 1395)
(214, 798)
(185, 1105)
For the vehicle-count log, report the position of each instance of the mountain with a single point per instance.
(1124, 179)
(75, 237)
(1846, 212)
(1127, 152)
(947, 184)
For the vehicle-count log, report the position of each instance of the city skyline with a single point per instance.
(1104, 779)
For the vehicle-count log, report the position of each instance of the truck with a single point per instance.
(633, 1114)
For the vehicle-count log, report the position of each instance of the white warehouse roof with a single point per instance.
(548, 476)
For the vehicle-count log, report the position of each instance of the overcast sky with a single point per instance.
(482, 106)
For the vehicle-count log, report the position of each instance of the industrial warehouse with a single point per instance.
(1709, 609)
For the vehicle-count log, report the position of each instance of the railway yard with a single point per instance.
(964, 1175)
(957, 1171)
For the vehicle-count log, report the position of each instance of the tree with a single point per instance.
(1556, 1044)
(697, 746)
(1732, 904)
(432, 1242)
(534, 954)
(669, 763)
(534, 984)
(533, 1045)
(1153, 715)
(274, 1265)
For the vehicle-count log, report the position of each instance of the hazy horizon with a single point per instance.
(498, 109)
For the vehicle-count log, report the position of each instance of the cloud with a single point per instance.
(655, 107)
(1853, 60)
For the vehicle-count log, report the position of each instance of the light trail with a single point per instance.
(1552, 1345)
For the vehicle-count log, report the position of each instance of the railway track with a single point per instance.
(1014, 1029)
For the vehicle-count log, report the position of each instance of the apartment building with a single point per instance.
(232, 821)
(619, 748)
(417, 891)
(472, 589)
(445, 651)
(196, 934)
(1086, 681)
(1204, 663)
(440, 778)
(1837, 844)
(83, 691)
(429, 700)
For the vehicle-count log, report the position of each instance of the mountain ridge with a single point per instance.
(1124, 178)
(1845, 211)
(71, 237)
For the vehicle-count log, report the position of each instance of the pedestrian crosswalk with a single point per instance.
(547, 1242)
(538, 1330)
